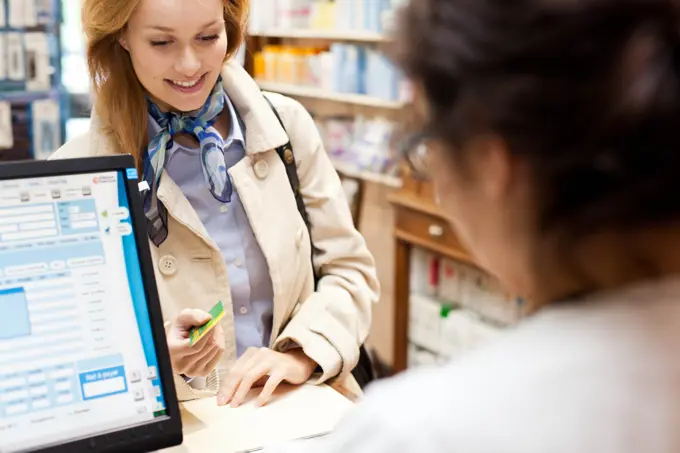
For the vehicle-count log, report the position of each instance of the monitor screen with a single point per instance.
(77, 355)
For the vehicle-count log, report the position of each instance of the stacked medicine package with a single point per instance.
(454, 308)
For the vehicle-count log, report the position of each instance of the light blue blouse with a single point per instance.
(228, 225)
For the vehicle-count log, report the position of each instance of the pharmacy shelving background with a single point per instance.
(327, 54)
(31, 96)
(330, 56)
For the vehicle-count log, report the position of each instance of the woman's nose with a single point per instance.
(188, 63)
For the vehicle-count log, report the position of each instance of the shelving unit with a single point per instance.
(320, 94)
(350, 172)
(325, 103)
(418, 223)
(371, 187)
(35, 98)
(349, 36)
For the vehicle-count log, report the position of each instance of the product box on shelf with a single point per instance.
(479, 292)
(462, 331)
(418, 357)
(358, 144)
(381, 78)
(425, 322)
(342, 15)
(445, 332)
(423, 264)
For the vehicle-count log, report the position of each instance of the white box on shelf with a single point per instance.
(3, 55)
(30, 13)
(37, 62)
(421, 268)
(480, 293)
(411, 355)
(482, 333)
(463, 331)
(46, 128)
(16, 63)
(425, 321)
(6, 133)
(419, 357)
(455, 333)
(449, 281)
(16, 14)
(492, 301)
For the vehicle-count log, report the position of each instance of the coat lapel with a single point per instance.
(168, 192)
(263, 131)
(180, 209)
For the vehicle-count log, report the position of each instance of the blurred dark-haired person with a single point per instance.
(553, 138)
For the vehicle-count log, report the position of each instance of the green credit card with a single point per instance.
(196, 333)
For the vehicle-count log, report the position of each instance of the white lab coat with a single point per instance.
(601, 376)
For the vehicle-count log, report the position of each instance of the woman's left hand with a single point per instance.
(259, 366)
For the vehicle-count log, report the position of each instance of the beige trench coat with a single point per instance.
(328, 324)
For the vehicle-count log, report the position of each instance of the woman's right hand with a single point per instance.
(200, 359)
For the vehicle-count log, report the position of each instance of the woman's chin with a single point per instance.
(186, 105)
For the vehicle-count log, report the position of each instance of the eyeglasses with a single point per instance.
(414, 150)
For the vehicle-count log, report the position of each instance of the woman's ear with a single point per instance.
(420, 103)
(122, 40)
(495, 166)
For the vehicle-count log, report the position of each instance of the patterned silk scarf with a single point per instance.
(199, 124)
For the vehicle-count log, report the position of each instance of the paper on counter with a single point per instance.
(296, 413)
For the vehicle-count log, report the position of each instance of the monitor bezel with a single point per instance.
(165, 431)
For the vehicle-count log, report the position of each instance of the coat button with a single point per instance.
(261, 169)
(243, 310)
(288, 156)
(168, 265)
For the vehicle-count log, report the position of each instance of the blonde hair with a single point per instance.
(121, 104)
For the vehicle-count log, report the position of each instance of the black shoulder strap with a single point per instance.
(363, 372)
(287, 156)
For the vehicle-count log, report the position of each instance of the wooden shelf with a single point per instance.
(416, 203)
(455, 254)
(325, 35)
(324, 95)
(26, 97)
(425, 228)
(422, 224)
(350, 172)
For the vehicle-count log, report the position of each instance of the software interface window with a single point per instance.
(76, 351)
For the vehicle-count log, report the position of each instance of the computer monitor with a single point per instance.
(84, 364)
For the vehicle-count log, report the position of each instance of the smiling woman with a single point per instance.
(178, 58)
(136, 46)
(222, 219)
